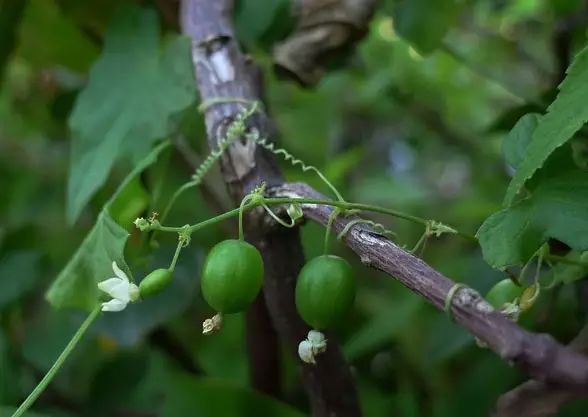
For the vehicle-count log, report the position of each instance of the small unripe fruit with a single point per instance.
(155, 282)
(503, 292)
(325, 291)
(232, 276)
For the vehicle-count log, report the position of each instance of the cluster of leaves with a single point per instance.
(414, 121)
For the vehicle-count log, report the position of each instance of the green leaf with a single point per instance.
(564, 117)
(207, 397)
(424, 23)
(18, 272)
(133, 91)
(558, 208)
(515, 144)
(76, 284)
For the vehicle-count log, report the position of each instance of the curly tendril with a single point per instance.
(270, 146)
(236, 129)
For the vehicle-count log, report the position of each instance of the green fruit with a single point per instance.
(155, 282)
(325, 291)
(505, 291)
(232, 276)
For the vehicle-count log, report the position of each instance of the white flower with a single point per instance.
(120, 289)
(305, 352)
(314, 344)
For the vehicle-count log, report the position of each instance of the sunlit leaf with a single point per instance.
(564, 117)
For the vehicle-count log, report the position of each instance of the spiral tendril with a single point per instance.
(270, 146)
(236, 129)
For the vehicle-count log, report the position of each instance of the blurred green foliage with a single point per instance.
(418, 119)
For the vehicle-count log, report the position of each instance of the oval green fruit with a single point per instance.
(505, 291)
(232, 276)
(325, 291)
(155, 282)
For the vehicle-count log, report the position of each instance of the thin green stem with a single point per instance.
(242, 206)
(332, 218)
(419, 243)
(287, 200)
(538, 270)
(277, 219)
(181, 243)
(57, 365)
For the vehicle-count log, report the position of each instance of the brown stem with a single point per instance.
(539, 355)
(223, 72)
(264, 358)
(540, 399)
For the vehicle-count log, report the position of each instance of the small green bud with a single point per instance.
(295, 212)
(142, 224)
(155, 282)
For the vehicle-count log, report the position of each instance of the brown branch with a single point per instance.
(264, 358)
(222, 71)
(540, 399)
(539, 355)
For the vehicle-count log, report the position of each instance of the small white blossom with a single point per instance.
(305, 352)
(314, 344)
(120, 289)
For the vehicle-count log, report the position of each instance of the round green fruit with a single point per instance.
(155, 282)
(232, 276)
(325, 291)
(505, 291)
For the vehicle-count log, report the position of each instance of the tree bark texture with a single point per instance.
(224, 73)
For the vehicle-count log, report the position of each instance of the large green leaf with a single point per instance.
(424, 22)
(515, 144)
(133, 91)
(558, 208)
(76, 284)
(207, 397)
(564, 117)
